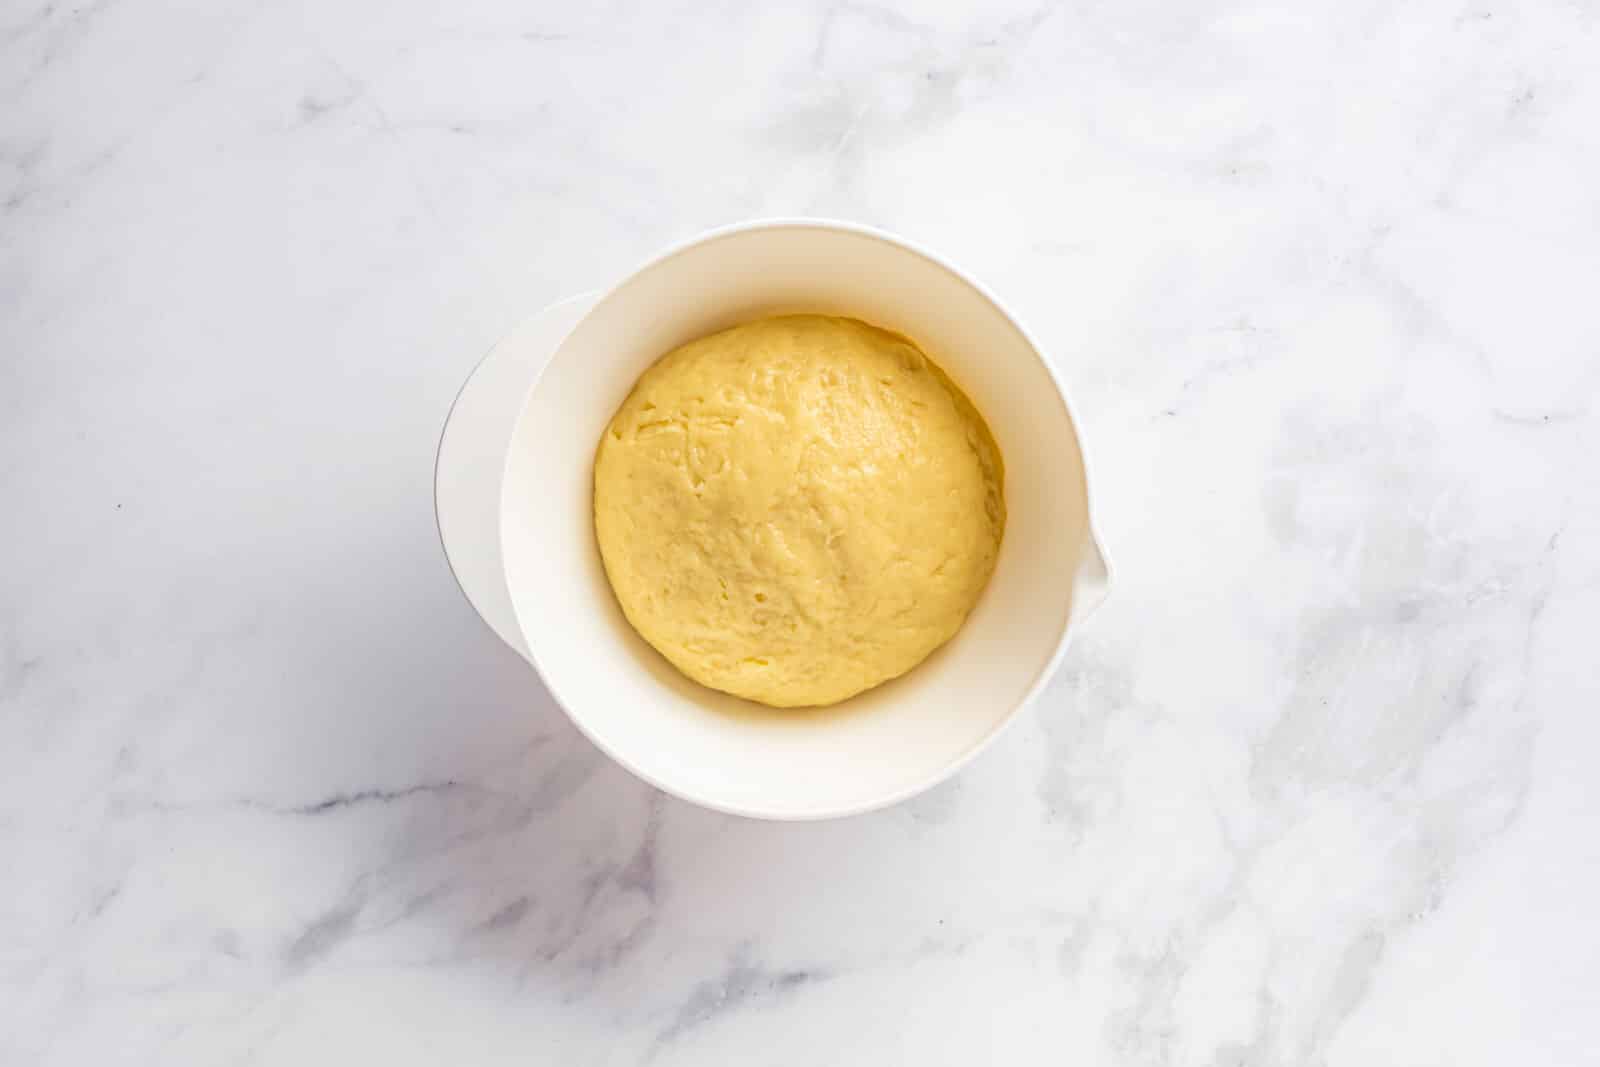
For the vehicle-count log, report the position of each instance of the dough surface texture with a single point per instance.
(797, 509)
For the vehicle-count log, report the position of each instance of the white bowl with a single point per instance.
(890, 742)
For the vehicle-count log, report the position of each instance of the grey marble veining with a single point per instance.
(1315, 787)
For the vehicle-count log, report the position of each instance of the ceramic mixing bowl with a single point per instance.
(575, 364)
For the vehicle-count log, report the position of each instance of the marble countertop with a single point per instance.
(1316, 787)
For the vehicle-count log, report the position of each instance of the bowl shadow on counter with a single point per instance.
(570, 879)
(555, 868)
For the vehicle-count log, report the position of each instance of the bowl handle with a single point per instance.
(470, 465)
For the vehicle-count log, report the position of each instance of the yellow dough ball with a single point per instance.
(797, 509)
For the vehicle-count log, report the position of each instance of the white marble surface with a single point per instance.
(1317, 787)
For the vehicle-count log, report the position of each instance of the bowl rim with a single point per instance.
(1068, 625)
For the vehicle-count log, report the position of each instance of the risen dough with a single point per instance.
(798, 508)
